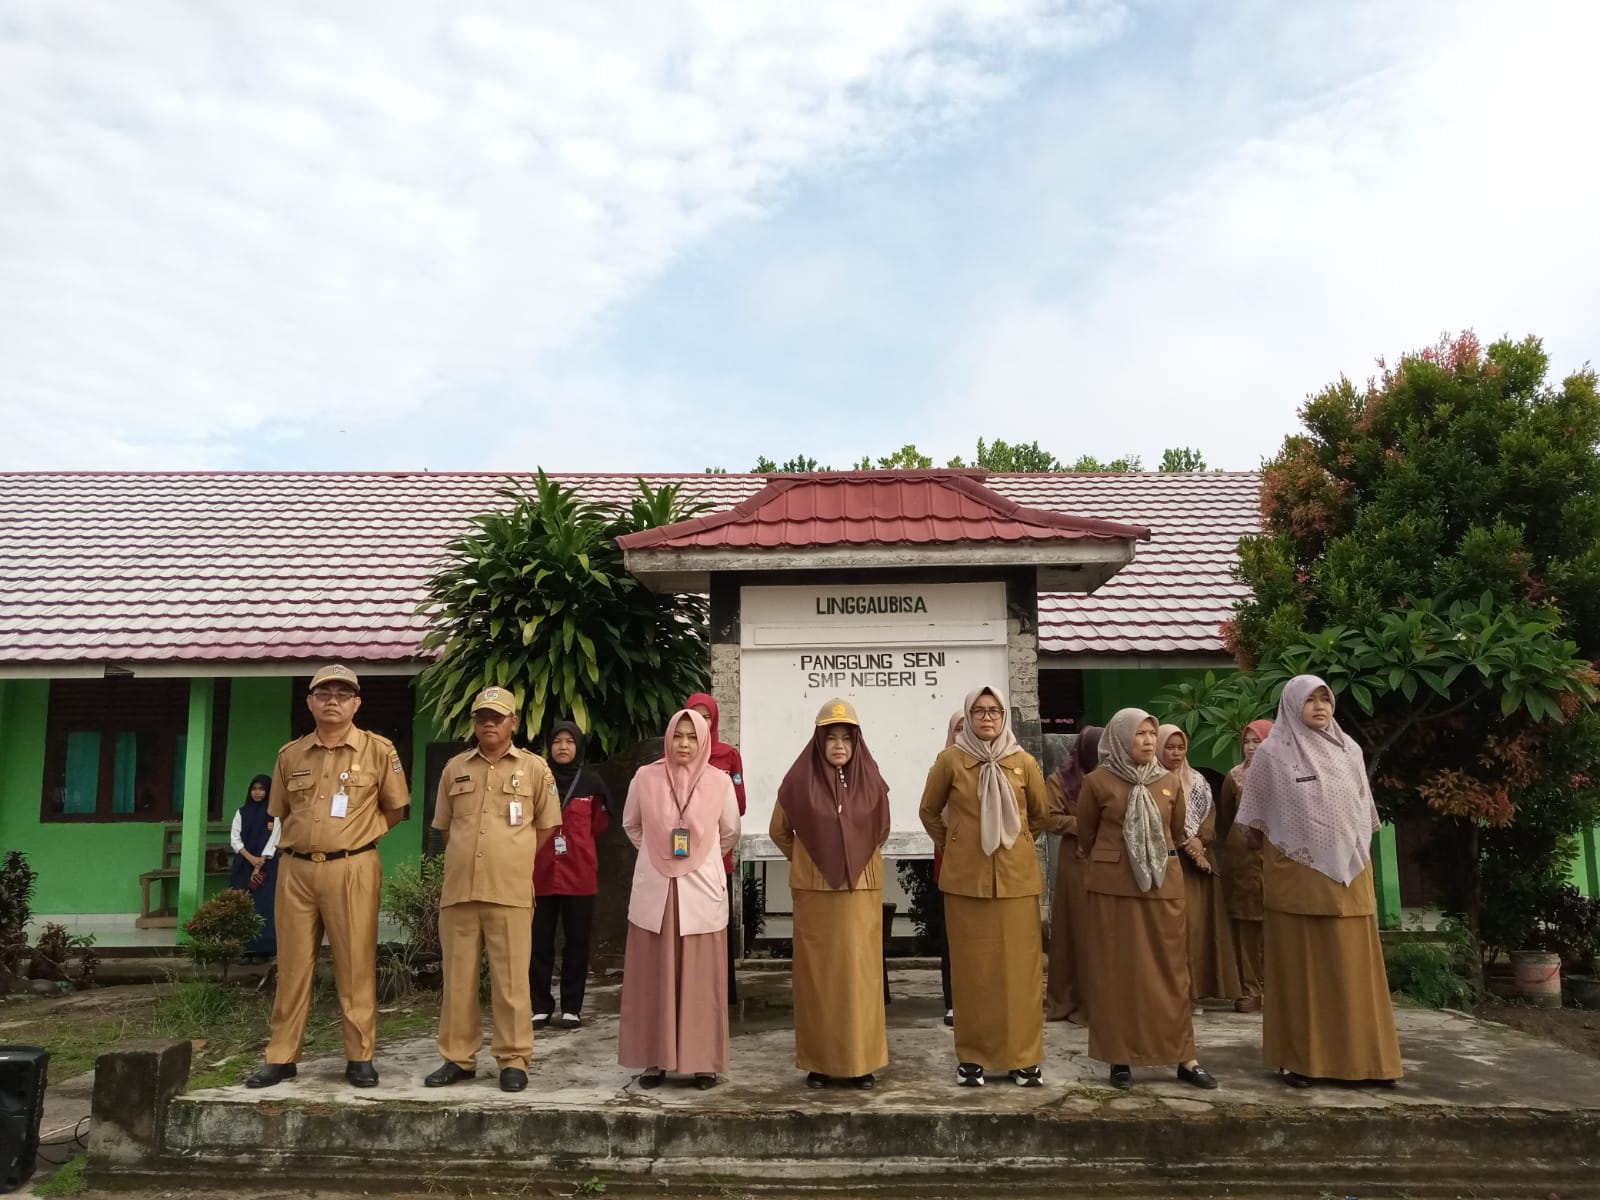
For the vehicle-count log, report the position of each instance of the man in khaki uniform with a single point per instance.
(493, 803)
(335, 792)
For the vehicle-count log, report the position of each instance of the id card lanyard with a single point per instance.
(515, 811)
(680, 835)
(560, 841)
(339, 807)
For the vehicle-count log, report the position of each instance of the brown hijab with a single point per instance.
(840, 814)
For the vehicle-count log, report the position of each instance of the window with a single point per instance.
(114, 749)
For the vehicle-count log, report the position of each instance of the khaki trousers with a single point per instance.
(466, 930)
(340, 898)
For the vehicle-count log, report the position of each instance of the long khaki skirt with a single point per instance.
(1139, 1012)
(1327, 1013)
(838, 983)
(1213, 957)
(1066, 995)
(997, 977)
(674, 998)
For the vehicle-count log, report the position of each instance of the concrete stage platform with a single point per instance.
(1483, 1111)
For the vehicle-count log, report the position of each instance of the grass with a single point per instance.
(70, 1179)
(227, 1025)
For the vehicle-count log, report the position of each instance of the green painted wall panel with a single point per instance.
(83, 868)
(1105, 692)
(258, 725)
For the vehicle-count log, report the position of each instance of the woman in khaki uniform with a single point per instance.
(1328, 1013)
(831, 821)
(1066, 981)
(1130, 824)
(1241, 873)
(983, 805)
(1213, 961)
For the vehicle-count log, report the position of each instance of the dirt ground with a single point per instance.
(1575, 1028)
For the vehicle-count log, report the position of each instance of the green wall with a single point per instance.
(1104, 692)
(258, 725)
(83, 868)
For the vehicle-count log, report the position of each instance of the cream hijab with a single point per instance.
(999, 821)
(1142, 834)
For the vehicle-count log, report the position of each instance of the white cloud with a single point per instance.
(225, 225)
(1432, 174)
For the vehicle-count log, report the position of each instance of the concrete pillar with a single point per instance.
(196, 801)
(133, 1084)
(1386, 877)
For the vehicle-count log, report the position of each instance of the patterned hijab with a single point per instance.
(1141, 825)
(1196, 791)
(999, 822)
(1081, 759)
(1307, 791)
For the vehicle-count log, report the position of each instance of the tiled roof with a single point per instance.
(875, 508)
(261, 567)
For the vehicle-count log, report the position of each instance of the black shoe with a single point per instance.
(705, 1082)
(1294, 1079)
(969, 1075)
(444, 1076)
(571, 1021)
(950, 1017)
(541, 1020)
(815, 1079)
(362, 1074)
(1197, 1076)
(1383, 1083)
(1028, 1076)
(1121, 1077)
(270, 1074)
(652, 1078)
(865, 1082)
(513, 1079)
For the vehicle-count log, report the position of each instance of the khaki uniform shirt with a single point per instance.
(949, 812)
(1292, 887)
(306, 776)
(487, 858)
(804, 875)
(1102, 805)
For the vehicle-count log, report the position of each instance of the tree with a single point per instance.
(536, 598)
(1461, 485)
(799, 464)
(1180, 459)
(1002, 457)
(907, 458)
(1088, 464)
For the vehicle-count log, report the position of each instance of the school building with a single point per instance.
(158, 631)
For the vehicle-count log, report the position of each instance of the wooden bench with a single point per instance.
(158, 900)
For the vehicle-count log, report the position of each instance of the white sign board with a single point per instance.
(904, 654)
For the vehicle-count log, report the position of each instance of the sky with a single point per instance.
(669, 234)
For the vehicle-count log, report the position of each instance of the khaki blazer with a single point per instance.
(949, 813)
(1291, 887)
(1102, 804)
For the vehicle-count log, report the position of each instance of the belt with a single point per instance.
(329, 855)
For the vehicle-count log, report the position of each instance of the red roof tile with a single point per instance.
(867, 508)
(259, 567)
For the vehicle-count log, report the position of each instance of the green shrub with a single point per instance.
(411, 898)
(221, 928)
(927, 905)
(1437, 973)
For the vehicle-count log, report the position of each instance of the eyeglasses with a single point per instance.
(988, 713)
(342, 695)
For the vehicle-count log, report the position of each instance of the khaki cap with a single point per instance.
(496, 699)
(336, 673)
(838, 712)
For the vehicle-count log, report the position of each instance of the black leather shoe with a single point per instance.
(1121, 1077)
(361, 1074)
(815, 1079)
(1197, 1076)
(269, 1074)
(1294, 1079)
(652, 1078)
(513, 1079)
(447, 1074)
(705, 1082)
(865, 1082)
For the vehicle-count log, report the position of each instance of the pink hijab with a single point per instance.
(663, 786)
(1307, 791)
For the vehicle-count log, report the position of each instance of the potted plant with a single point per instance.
(1572, 931)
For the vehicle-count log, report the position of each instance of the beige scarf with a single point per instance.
(1142, 833)
(999, 821)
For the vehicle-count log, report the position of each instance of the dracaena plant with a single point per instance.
(535, 597)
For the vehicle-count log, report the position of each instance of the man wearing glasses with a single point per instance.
(335, 792)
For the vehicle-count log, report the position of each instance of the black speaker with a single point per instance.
(22, 1080)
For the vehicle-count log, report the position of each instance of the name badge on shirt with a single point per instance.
(341, 799)
(516, 812)
(560, 843)
(680, 843)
